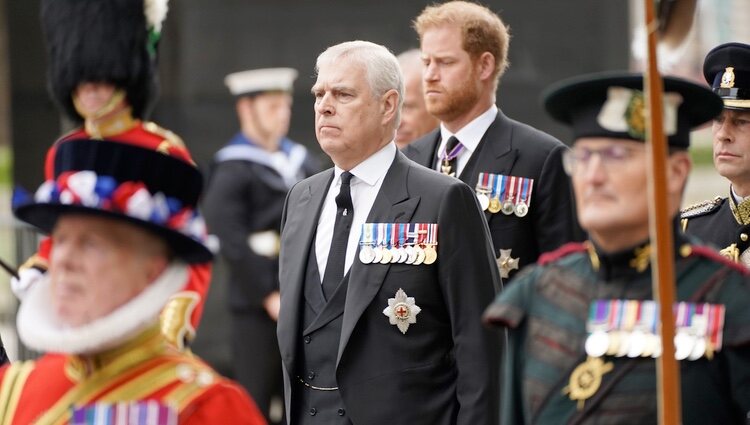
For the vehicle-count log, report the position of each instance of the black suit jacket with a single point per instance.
(513, 148)
(444, 369)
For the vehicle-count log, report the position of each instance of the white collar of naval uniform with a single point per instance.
(365, 185)
(469, 135)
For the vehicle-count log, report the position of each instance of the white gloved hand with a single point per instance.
(27, 277)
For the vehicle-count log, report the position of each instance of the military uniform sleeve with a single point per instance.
(469, 277)
(225, 403)
(735, 295)
(509, 310)
(555, 223)
(230, 211)
(509, 307)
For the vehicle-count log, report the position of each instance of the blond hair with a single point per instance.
(481, 29)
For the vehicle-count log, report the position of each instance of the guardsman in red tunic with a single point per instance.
(125, 228)
(102, 72)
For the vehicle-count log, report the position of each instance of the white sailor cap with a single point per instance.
(248, 83)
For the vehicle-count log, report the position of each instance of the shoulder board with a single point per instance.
(563, 251)
(701, 208)
(167, 135)
(711, 254)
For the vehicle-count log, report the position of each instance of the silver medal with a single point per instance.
(597, 343)
(366, 254)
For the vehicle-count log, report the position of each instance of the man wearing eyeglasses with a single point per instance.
(582, 323)
(725, 222)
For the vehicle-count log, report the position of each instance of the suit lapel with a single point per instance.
(425, 151)
(495, 153)
(298, 234)
(392, 205)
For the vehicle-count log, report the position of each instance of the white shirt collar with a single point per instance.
(471, 134)
(372, 169)
(737, 198)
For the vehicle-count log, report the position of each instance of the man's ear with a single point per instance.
(486, 65)
(243, 105)
(389, 104)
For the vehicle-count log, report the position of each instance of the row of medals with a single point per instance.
(646, 344)
(494, 205)
(410, 254)
(690, 343)
(494, 200)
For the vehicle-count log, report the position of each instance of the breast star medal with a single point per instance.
(402, 311)
(506, 263)
(586, 379)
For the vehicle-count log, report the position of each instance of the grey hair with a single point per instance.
(381, 67)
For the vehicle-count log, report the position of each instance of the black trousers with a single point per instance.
(256, 358)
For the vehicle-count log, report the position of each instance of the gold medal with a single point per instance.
(430, 254)
(614, 343)
(495, 206)
(586, 379)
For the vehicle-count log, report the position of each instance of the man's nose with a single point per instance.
(430, 72)
(323, 105)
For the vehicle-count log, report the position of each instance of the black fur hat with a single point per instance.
(99, 41)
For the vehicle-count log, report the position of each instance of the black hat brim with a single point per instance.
(45, 216)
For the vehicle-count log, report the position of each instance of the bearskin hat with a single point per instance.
(101, 41)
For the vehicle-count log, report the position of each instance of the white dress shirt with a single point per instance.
(737, 198)
(365, 185)
(469, 136)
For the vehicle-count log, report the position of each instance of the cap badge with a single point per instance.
(625, 111)
(402, 311)
(635, 116)
(727, 80)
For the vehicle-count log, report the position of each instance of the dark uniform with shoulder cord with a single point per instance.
(725, 221)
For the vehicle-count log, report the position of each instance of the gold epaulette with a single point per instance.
(168, 135)
(701, 208)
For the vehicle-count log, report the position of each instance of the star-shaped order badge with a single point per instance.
(506, 263)
(402, 311)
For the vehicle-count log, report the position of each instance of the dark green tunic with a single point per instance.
(546, 309)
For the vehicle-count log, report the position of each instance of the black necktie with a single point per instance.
(448, 163)
(337, 255)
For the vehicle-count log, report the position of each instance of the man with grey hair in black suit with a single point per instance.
(385, 267)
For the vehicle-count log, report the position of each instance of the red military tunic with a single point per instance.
(49, 390)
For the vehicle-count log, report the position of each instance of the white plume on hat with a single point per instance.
(156, 12)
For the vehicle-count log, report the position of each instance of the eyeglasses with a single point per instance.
(579, 158)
